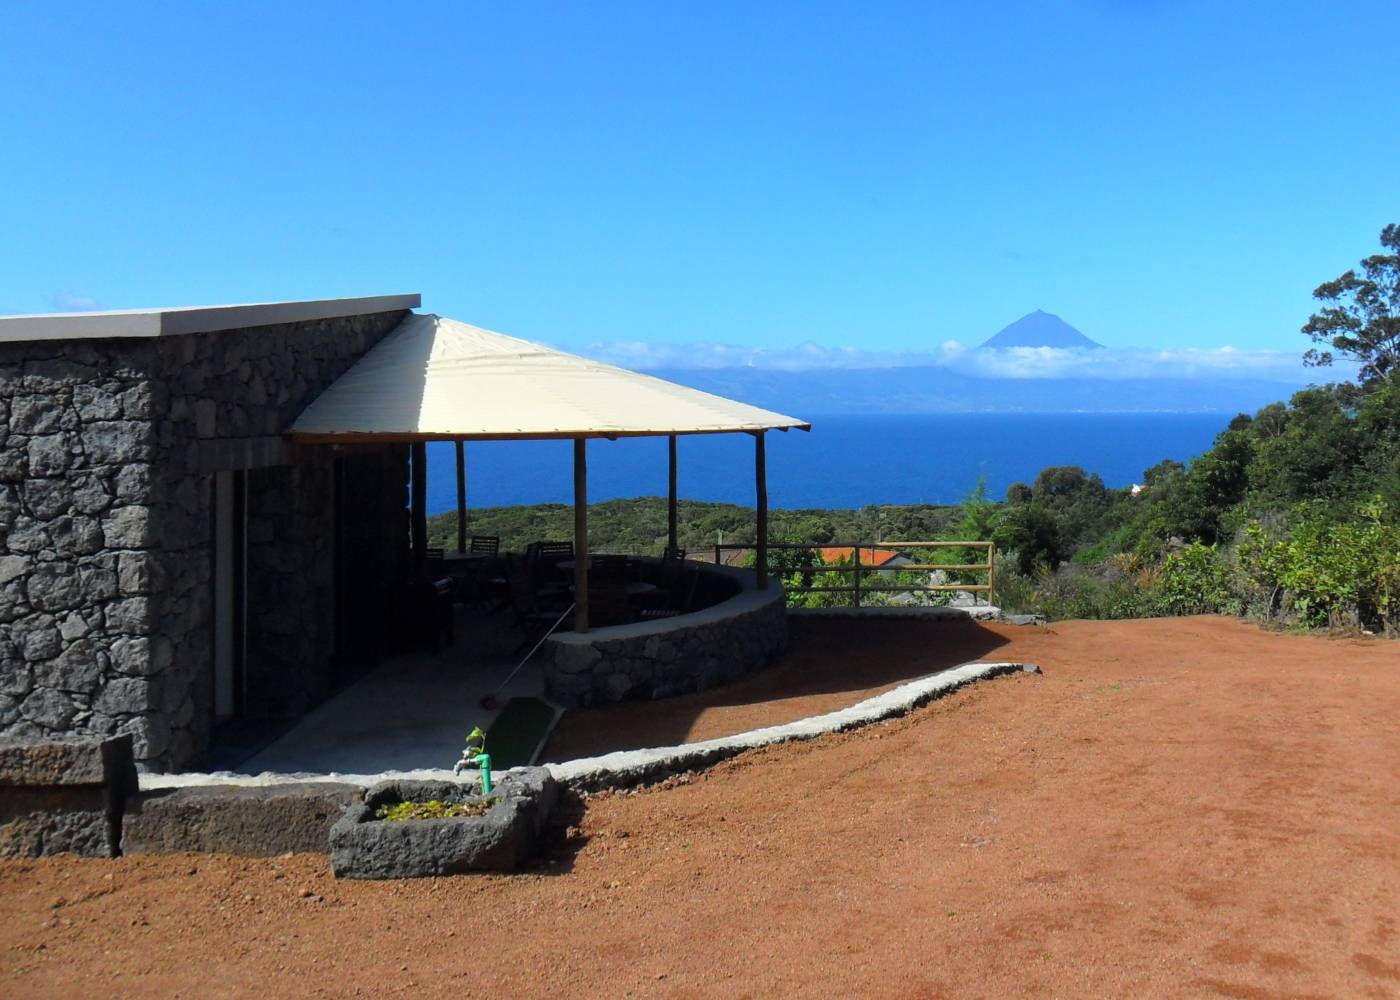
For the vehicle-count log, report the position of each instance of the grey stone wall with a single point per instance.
(668, 657)
(76, 444)
(107, 449)
(255, 821)
(293, 577)
(290, 582)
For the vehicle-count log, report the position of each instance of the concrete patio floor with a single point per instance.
(412, 711)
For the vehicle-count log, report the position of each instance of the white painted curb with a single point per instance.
(631, 767)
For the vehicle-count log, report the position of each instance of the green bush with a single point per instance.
(1343, 572)
(1102, 591)
(1196, 581)
(1261, 559)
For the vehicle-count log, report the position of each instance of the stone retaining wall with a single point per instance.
(231, 819)
(670, 656)
(64, 796)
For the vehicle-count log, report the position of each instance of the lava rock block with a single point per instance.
(501, 839)
(64, 796)
(250, 820)
(70, 761)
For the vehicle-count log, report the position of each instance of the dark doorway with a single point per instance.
(230, 593)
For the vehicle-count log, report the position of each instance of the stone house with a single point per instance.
(168, 561)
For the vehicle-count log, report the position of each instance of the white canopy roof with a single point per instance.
(438, 378)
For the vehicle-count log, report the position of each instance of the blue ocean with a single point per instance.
(844, 461)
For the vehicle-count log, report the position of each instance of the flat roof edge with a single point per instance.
(591, 434)
(128, 323)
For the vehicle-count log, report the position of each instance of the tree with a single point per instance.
(1065, 484)
(1019, 493)
(979, 516)
(1317, 453)
(1033, 535)
(1077, 499)
(1213, 483)
(1163, 470)
(1364, 323)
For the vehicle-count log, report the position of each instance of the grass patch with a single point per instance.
(432, 809)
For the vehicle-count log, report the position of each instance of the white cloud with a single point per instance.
(62, 301)
(1120, 363)
(1011, 363)
(803, 357)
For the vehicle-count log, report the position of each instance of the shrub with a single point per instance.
(1196, 581)
(1074, 591)
(1261, 559)
(1345, 573)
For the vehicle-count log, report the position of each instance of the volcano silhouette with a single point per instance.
(1040, 329)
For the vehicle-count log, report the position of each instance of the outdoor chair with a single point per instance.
(607, 602)
(675, 599)
(484, 577)
(672, 568)
(535, 611)
(608, 567)
(555, 550)
(545, 558)
(485, 545)
(543, 570)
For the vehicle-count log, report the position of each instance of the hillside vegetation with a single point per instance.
(638, 525)
(1292, 516)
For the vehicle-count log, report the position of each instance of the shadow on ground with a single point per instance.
(830, 663)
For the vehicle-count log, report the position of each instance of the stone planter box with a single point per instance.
(501, 839)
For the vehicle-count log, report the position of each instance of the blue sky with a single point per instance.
(879, 177)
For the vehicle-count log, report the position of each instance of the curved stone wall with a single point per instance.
(671, 656)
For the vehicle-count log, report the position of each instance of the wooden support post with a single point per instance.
(856, 574)
(760, 465)
(461, 496)
(991, 569)
(671, 528)
(580, 535)
(418, 510)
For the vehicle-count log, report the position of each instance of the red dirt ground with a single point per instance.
(1188, 807)
(830, 663)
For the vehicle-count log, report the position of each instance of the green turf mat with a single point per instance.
(516, 734)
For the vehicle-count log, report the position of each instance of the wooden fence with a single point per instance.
(861, 574)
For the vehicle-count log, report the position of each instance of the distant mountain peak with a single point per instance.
(1039, 329)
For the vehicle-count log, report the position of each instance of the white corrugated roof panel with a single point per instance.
(437, 378)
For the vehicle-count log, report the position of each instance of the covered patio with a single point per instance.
(436, 379)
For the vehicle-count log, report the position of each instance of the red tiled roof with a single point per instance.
(868, 557)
